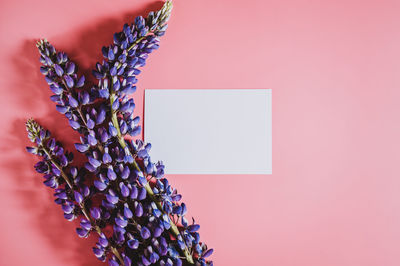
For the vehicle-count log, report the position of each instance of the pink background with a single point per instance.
(333, 66)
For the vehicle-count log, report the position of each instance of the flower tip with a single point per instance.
(33, 129)
(41, 42)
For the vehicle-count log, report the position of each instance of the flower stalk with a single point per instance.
(147, 220)
(40, 136)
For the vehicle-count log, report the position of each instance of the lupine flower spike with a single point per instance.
(129, 192)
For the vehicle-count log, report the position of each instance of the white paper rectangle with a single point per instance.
(210, 131)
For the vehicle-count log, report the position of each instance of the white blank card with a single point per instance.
(210, 131)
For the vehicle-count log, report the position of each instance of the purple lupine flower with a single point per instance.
(134, 207)
(71, 196)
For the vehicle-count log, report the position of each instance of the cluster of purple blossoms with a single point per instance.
(119, 193)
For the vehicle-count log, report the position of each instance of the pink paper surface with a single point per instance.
(333, 198)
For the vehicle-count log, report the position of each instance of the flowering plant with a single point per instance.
(119, 193)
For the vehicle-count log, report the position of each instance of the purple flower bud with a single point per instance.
(55, 170)
(111, 174)
(149, 168)
(81, 147)
(112, 262)
(69, 81)
(72, 101)
(127, 212)
(92, 140)
(167, 207)
(147, 147)
(95, 213)
(101, 116)
(113, 131)
(59, 57)
(207, 253)
(122, 58)
(32, 150)
(184, 222)
(61, 195)
(176, 197)
(44, 70)
(154, 257)
(133, 244)
(85, 191)
(90, 167)
(193, 228)
(97, 74)
(184, 209)
(112, 199)
(145, 261)
(138, 209)
(63, 160)
(107, 158)
(84, 97)
(74, 124)
(131, 80)
(104, 51)
(51, 182)
(116, 86)
(127, 261)
(49, 79)
(90, 123)
(142, 154)
(134, 192)
(100, 185)
(103, 240)
(119, 233)
(136, 131)
(166, 221)
(125, 173)
(82, 232)
(56, 89)
(163, 251)
(142, 193)
(121, 222)
(128, 159)
(59, 70)
(157, 231)
(98, 252)
(157, 212)
(176, 209)
(198, 249)
(128, 89)
(85, 224)
(113, 71)
(96, 163)
(124, 189)
(56, 99)
(123, 128)
(181, 244)
(178, 262)
(80, 82)
(78, 197)
(62, 109)
(104, 93)
(110, 55)
(142, 180)
(104, 136)
(107, 205)
(69, 216)
(115, 105)
(67, 208)
(70, 68)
